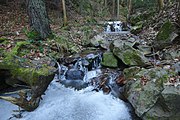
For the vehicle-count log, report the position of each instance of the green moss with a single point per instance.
(109, 60)
(131, 72)
(30, 75)
(165, 31)
(66, 45)
(17, 66)
(15, 51)
(31, 34)
(3, 39)
(141, 17)
(150, 117)
(152, 74)
(10, 58)
(137, 28)
(131, 57)
(138, 85)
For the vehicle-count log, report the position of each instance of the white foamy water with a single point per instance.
(62, 103)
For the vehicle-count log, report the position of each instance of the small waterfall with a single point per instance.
(116, 26)
(86, 71)
(61, 71)
(82, 70)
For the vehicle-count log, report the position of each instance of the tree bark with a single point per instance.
(64, 12)
(129, 9)
(105, 3)
(38, 17)
(113, 8)
(161, 4)
(118, 9)
(178, 15)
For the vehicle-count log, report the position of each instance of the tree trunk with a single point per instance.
(105, 3)
(118, 9)
(129, 9)
(161, 4)
(64, 12)
(113, 8)
(38, 17)
(178, 15)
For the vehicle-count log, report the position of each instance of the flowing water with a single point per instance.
(116, 27)
(65, 102)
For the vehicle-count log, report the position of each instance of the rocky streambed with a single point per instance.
(150, 77)
(120, 64)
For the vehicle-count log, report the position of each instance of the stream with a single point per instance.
(76, 94)
(81, 90)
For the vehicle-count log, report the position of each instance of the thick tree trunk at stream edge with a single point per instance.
(38, 17)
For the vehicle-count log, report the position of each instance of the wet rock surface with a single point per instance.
(76, 84)
(73, 74)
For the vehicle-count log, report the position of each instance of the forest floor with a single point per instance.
(80, 30)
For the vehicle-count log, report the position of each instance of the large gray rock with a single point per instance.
(146, 91)
(167, 106)
(130, 56)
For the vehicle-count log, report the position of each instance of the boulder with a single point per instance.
(76, 84)
(109, 60)
(146, 91)
(99, 41)
(74, 74)
(145, 49)
(130, 56)
(171, 53)
(167, 106)
(137, 28)
(165, 36)
(19, 70)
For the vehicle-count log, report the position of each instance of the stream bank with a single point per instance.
(145, 75)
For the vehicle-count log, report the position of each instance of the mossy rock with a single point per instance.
(109, 60)
(130, 56)
(31, 76)
(22, 69)
(99, 41)
(3, 39)
(137, 28)
(167, 106)
(145, 87)
(165, 35)
(130, 72)
(66, 45)
(134, 19)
